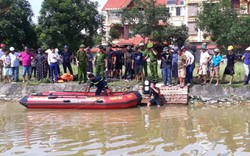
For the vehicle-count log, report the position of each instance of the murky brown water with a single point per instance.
(171, 130)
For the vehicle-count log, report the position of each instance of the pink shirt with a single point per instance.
(26, 58)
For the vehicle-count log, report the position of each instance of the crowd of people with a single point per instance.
(177, 63)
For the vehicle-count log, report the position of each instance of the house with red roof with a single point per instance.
(113, 15)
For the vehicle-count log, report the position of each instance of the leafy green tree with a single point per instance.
(144, 17)
(149, 19)
(176, 35)
(218, 19)
(69, 22)
(16, 28)
(115, 31)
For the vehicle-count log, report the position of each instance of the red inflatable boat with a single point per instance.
(81, 100)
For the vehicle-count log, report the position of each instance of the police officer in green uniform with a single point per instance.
(101, 62)
(81, 59)
(145, 57)
(153, 61)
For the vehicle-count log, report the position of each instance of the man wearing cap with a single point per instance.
(246, 62)
(231, 60)
(215, 68)
(145, 57)
(26, 57)
(66, 56)
(81, 61)
(14, 64)
(166, 66)
(101, 62)
(100, 84)
(153, 61)
(204, 59)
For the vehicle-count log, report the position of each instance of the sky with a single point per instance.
(36, 6)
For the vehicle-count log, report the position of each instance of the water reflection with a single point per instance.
(171, 130)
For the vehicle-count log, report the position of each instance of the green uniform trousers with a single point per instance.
(82, 69)
(145, 68)
(100, 69)
(153, 69)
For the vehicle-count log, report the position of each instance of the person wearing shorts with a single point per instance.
(231, 60)
(182, 63)
(26, 57)
(215, 69)
(6, 66)
(119, 61)
(203, 68)
(137, 64)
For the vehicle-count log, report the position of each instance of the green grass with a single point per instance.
(239, 76)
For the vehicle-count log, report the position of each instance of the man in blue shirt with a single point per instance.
(216, 59)
(246, 62)
(100, 84)
(66, 55)
(248, 76)
(137, 64)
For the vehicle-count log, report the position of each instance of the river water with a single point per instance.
(169, 130)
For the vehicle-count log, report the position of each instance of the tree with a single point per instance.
(175, 34)
(69, 22)
(223, 23)
(144, 17)
(149, 19)
(115, 31)
(16, 28)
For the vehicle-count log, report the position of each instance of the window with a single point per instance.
(236, 4)
(178, 11)
(191, 28)
(192, 10)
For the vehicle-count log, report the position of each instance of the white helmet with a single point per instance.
(248, 49)
(12, 48)
(217, 50)
(141, 44)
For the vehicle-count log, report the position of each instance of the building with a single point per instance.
(177, 9)
(113, 15)
(182, 12)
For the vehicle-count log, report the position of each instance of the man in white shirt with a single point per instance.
(6, 66)
(53, 59)
(14, 65)
(189, 68)
(204, 59)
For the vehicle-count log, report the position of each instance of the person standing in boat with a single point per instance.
(100, 84)
(155, 91)
(81, 61)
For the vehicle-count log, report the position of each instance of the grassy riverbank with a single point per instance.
(239, 76)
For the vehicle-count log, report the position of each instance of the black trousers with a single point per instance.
(67, 65)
